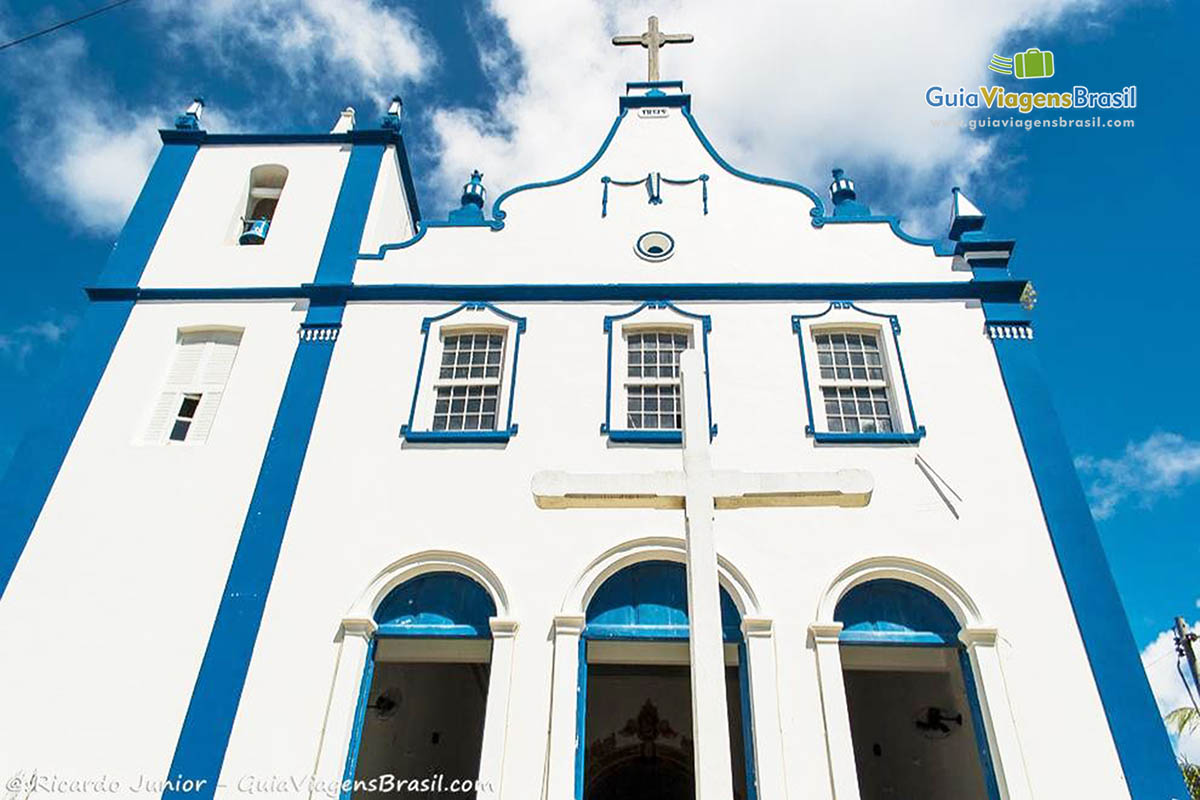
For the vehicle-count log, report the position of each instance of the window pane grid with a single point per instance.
(655, 407)
(855, 389)
(472, 357)
(653, 393)
(468, 385)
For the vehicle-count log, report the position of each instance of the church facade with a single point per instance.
(661, 479)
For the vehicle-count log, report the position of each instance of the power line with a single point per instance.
(63, 24)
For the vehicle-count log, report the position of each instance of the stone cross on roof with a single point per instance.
(652, 40)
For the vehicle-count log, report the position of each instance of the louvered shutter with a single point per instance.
(201, 365)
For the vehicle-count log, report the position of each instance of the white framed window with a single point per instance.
(466, 376)
(854, 381)
(652, 384)
(856, 393)
(195, 382)
(644, 394)
(467, 390)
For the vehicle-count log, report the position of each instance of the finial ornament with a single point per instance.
(652, 40)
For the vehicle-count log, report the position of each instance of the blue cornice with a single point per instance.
(631, 85)
(994, 291)
(629, 101)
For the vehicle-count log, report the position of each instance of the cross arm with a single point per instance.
(678, 38)
(555, 489)
(619, 40)
(848, 488)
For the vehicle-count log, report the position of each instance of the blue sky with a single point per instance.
(523, 92)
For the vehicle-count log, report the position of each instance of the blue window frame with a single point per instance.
(656, 334)
(468, 396)
(878, 400)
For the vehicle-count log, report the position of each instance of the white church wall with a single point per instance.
(753, 232)
(109, 610)
(390, 219)
(198, 246)
(367, 498)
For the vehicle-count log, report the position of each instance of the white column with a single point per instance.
(343, 702)
(710, 712)
(564, 704)
(998, 723)
(839, 745)
(769, 764)
(495, 720)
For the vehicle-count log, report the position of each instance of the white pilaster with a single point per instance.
(839, 745)
(564, 705)
(710, 712)
(769, 764)
(495, 721)
(1007, 758)
(343, 702)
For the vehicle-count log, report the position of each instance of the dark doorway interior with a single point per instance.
(423, 720)
(913, 733)
(639, 733)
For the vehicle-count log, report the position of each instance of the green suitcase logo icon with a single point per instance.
(1033, 63)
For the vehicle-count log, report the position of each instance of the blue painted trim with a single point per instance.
(387, 631)
(981, 740)
(915, 433)
(200, 751)
(1137, 729)
(631, 85)
(1005, 291)
(580, 718)
(819, 205)
(653, 436)
(893, 639)
(500, 435)
(747, 722)
(65, 399)
(422, 228)
(651, 100)
(498, 214)
(339, 254)
(360, 718)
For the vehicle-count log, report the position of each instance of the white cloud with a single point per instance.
(18, 344)
(88, 150)
(1159, 661)
(359, 45)
(782, 88)
(1159, 465)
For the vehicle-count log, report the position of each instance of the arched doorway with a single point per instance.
(635, 722)
(424, 692)
(914, 713)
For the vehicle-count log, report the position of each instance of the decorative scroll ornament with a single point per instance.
(653, 183)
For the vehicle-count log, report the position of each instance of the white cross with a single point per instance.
(698, 490)
(652, 40)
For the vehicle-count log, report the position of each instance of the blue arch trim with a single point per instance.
(888, 611)
(916, 432)
(1137, 729)
(436, 604)
(652, 436)
(500, 434)
(648, 600)
(39, 457)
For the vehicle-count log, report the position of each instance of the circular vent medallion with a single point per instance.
(655, 246)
